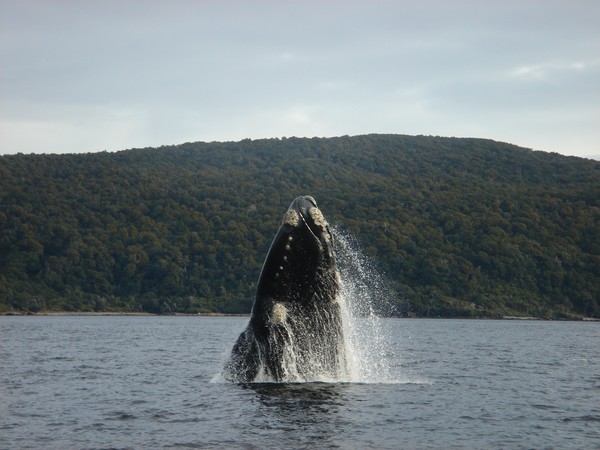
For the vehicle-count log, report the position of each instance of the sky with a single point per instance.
(85, 76)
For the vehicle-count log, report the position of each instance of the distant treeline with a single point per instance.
(459, 227)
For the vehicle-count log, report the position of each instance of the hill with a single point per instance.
(459, 227)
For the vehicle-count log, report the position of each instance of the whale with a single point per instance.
(295, 330)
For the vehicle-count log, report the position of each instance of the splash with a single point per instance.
(364, 297)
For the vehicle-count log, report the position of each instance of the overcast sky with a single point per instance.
(86, 76)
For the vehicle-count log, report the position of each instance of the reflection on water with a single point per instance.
(311, 413)
(309, 397)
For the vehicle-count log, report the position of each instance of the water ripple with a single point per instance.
(119, 382)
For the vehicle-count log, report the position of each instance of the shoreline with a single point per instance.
(114, 314)
(145, 314)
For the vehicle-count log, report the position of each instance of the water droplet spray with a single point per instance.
(364, 293)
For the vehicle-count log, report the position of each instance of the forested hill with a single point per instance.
(459, 227)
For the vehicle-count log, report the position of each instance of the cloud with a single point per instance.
(546, 70)
(83, 76)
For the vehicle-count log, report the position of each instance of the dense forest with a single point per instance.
(458, 227)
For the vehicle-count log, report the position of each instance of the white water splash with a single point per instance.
(364, 293)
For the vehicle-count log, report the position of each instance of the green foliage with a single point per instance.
(461, 227)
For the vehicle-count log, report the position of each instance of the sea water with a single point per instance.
(148, 382)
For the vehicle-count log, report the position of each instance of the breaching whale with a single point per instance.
(295, 329)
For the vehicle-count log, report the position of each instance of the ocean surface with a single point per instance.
(86, 382)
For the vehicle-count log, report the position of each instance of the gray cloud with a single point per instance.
(87, 76)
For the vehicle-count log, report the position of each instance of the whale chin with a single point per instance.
(295, 330)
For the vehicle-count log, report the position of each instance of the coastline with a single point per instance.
(115, 313)
(145, 314)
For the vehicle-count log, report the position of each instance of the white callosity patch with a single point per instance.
(278, 314)
(320, 221)
(318, 218)
(291, 218)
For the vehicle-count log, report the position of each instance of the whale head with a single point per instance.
(300, 265)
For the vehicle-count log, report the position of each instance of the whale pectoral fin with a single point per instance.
(243, 364)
